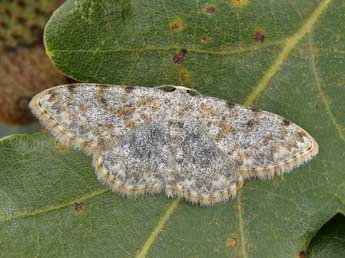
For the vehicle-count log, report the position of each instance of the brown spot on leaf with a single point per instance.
(176, 25)
(184, 76)
(62, 147)
(180, 56)
(259, 36)
(205, 40)
(238, 3)
(210, 9)
(78, 206)
(231, 242)
(301, 254)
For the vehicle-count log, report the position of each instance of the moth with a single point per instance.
(171, 139)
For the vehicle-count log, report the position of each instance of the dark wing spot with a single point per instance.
(286, 122)
(53, 96)
(129, 89)
(230, 104)
(254, 109)
(300, 136)
(167, 88)
(193, 92)
(251, 123)
(71, 88)
(103, 100)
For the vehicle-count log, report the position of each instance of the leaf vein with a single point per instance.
(290, 44)
(23, 214)
(241, 227)
(158, 229)
(338, 127)
(224, 52)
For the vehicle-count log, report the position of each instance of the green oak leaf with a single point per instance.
(286, 57)
(330, 240)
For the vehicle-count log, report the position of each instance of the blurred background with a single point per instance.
(25, 68)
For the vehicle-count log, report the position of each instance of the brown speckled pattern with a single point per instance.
(148, 140)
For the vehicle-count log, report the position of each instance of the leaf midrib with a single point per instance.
(223, 52)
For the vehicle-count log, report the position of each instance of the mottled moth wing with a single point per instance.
(172, 156)
(149, 140)
(201, 173)
(138, 163)
(261, 143)
(90, 116)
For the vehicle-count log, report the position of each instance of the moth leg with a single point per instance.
(135, 165)
(202, 173)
